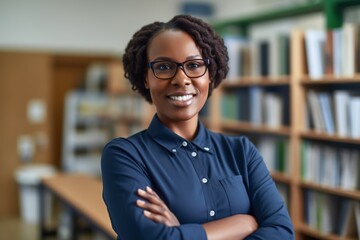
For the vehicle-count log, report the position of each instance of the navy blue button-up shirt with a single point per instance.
(212, 177)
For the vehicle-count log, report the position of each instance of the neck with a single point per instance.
(186, 129)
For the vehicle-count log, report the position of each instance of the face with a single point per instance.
(179, 98)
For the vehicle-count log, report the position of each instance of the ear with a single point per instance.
(146, 84)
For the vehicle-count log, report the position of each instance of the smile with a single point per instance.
(181, 98)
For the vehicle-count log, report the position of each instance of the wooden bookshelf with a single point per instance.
(312, 135)
(297, 83)
(308, 231)
(257, 81)
(235, 126)
(355, 195)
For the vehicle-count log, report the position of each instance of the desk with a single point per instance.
(83, 195)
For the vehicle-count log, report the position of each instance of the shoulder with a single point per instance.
(124, 144)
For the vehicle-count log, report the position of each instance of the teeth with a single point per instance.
(181, 98)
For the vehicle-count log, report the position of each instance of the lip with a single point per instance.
(181, 99)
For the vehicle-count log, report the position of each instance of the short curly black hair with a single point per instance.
(210, 44)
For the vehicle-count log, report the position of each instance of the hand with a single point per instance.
(155, 209)
(235, 227)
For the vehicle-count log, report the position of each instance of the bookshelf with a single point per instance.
(317, 205)
(129, 111)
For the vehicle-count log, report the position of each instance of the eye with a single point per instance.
(163, 66)
(193, 65)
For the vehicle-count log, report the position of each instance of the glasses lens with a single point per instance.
(192, 68)
(164, 69)
(195, 67)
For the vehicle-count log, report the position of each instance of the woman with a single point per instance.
(176, 179)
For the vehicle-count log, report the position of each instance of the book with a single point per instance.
(337, 57)
(329, 53)
(256, 105)
(264, 58)
(234, 44)
(315, 111)
(284, 54)
(354, 117)
(341, 102)
(348, 49)
(357, 217)
(315, 52)
(347, 224)
(272, 110)
(327, 111)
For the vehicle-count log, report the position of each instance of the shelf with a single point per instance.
(353, 194)
(293, 89)
(280, 177)
(329, 138)
(232, 125)
(346, 3)
(311, 232)
(257, 81)
(331, 80)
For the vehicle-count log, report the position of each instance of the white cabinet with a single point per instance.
(87, 128)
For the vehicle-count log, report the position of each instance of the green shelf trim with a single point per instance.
(242, 23)
(333, 10)
(347, 3)
(333, 13)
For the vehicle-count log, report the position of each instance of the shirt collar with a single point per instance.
(172, 142)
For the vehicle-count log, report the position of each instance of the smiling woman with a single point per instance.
(176, 179)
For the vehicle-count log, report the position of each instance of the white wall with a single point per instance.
(81, 25)
(103, 26)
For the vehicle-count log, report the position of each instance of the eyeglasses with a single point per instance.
(192, 68)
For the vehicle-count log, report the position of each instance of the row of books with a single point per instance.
(261, 57)
(331, 214)
(275, 152)
(330, 166)
(336, 112)
(284, 192)
(257, 106)
(335, 52)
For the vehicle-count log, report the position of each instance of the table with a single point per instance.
(82, 194)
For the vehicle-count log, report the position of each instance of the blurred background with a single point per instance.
(63, 94)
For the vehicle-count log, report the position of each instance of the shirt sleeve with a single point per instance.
(123, 172)
(267, 205)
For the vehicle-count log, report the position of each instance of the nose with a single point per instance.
(180, 78)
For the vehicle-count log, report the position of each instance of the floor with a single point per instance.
(13, 228)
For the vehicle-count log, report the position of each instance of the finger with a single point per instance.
(151, 197)
(155, 217)
(154, 208)
(149, 190)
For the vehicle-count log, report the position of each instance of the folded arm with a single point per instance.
(235, 227)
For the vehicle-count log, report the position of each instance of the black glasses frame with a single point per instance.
(181, 65)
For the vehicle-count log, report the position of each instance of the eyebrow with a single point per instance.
(171, 60)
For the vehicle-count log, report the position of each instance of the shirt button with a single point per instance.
(184, 143)
(204, 180)
(193, 154)
(206, 148)
(173, 150)
(212, 213)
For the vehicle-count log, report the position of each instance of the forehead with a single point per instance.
(172, 44)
